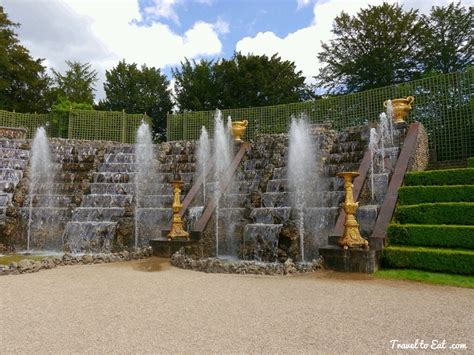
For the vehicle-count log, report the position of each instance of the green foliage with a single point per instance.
(241, 81)
(436, 278)
(470, 162)
(24, 85)
(380, 46)
(432, 259)
(451, 236)
(437, 213)
(77, 83)
(138, 90)
(449, 45)
(60, 113)
(441, 177)
(412, 195)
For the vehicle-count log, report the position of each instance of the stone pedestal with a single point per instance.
(165, 248)
(351, 260)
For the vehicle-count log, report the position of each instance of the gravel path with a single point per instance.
(149, 307)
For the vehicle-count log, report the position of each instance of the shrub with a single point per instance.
(441, 177)
(437, 213)
(411, 195)
(446, 260)
(432, 235)
(470, 162)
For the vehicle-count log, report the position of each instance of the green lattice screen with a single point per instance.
(30, 121)
(444, 104)
(104, 125)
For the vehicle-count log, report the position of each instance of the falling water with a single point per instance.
(41, 175)
(301, 170)
(222, 155)
(385, 137)
(145, 175)
(203, 159)
(373, 147)
(389, 110)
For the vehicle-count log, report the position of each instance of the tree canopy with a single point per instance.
(386, 44)
(77, 84)
(24, 85)
(449, 45)
(138, 90)
(241, 81)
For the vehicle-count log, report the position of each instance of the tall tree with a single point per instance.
(241, 81)
(77, 84)
(381, 45)
(449, 45)
(138, 90)
(24, 85)
(195, 85)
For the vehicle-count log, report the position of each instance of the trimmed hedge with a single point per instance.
(431, 235)
(431, 259)
(470, 162)
(437, 213)
(463, 176)
(412, 195)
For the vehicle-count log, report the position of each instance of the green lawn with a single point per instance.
(427, 277)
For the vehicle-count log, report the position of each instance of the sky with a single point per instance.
(161, 33)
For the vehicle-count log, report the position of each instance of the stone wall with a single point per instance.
(12, 133)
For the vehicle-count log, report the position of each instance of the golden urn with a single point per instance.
(401, 107)
(351, 237)
(238, 129)
(177, 226)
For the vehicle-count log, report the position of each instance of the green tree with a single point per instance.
(380, 46)
(24, 85)
(449, 45)
(138, 90)
(77, 83)
(241, 81)
(60, 113)
(195, 85)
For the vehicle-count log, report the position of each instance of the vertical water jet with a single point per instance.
(203, 159)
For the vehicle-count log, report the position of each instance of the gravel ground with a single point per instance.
(148, 306)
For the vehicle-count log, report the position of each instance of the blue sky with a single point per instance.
(161, 33)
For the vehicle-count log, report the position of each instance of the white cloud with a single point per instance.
(303, 45)
(103, 32)
(163, 9)
(302, 3)
(221, 26)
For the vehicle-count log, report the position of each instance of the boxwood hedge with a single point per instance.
(448, 236)
(463, 176)
(412, 195)
(431, 259)
(437, 213)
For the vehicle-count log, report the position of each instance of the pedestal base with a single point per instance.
(351, 260)
(165, 248)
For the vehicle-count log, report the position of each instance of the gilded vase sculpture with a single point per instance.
(401, 107)
(351, 237)
(238, 129)
(177, 228)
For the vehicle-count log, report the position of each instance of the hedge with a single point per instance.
(431, 259)
(464, 176)
(431, 235)
(412, 195)
(470, 162)
(437, 213)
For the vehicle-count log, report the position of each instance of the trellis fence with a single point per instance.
(79, 124)
(443, 103)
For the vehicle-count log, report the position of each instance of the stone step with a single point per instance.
(7, 174)
(273, 215)
(14, 143)
(348, 147)
(19, 164)
(260, 241)
(151, 221)
(96, 200)
(345, 157)
(322, 184)
(234, 200)
(5, 199)
(129, 188)
(8, 186)
(320, 199)
(109, 214)
(124, 177)
(50, 201)
(157, 201)
(12, 153)
(89, 236)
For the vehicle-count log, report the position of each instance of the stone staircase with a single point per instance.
(104, 220)
(14, 156)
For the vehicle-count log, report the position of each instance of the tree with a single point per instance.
(380, 46)
(449, 45)
(241, 81)
(138, 90)
(195, 86)
(24, 85)
(77, 83)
